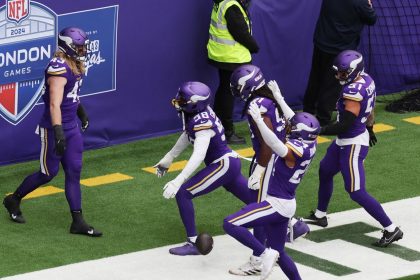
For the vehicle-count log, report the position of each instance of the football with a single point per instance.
(204, 243)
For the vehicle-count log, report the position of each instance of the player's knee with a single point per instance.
(357, 195)
(73, 171)
(324, 170)
(45, 178)
(183, 194)
(227, 226)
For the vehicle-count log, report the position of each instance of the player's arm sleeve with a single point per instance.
(271, 140)
(347, 118)
(201, 144)
(179, 146)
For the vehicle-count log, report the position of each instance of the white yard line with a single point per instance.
(160, 265)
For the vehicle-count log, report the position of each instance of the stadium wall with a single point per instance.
(141, 52)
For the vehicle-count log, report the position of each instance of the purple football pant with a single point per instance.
(275, 225)
(349, 161)
(49, 161)
(226, 173)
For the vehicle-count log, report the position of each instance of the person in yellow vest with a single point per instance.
(230, 45)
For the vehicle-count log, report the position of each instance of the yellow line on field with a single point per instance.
(321, 139)
(415, 120)
(105, 179)
(248, 152)
(380, 127)
(43, 191)
(176, 166)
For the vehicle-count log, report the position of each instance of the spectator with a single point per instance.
(338, 28)
(230, 45)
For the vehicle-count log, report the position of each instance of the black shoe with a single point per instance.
(12, 205)
(84, 228)
(389, 237)
(314, 220)
(235, 139)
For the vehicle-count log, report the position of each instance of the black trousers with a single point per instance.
(323, 88)
(224, 101)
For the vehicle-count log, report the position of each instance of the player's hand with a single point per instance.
(254, 111)
(81, 113)
(254, 181)
(85, 125)
(172, 187)
(162, 166)
(273, 86)
(372, 136)
(60, 140)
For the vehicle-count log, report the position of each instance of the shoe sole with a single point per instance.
(243, 273)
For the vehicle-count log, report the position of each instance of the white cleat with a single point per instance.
(252, 267)
(268, 258)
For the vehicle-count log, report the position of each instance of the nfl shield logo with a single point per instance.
(17, 10)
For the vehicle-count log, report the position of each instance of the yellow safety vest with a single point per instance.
(221, 46)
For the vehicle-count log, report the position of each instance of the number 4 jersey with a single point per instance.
(59, 68)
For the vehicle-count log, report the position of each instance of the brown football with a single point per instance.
(204, 243)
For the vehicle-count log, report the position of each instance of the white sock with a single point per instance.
(193, 238)
(293, 221)
(320, 214)
(391, 228)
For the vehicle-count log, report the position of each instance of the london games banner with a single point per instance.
(28, 40)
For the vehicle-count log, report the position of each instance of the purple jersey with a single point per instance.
(207, 119)
(268, 109)
(59, 68)
(284, 180)
(363, 91)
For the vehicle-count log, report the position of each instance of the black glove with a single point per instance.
(60, 140)
(81, 113)
(372, 136)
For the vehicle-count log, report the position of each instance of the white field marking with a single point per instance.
(160, 265)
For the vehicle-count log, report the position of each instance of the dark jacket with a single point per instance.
(238, 28)
(340, 24)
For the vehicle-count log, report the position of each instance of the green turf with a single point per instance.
(134, 216)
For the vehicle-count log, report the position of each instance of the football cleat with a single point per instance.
(13, 207)
(268, 259)
(314, 220)
(300, 228)
(389, 237)
(84, 228)
(252, 267)
(188, 249)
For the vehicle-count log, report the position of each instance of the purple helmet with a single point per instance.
(74, 42)
(192, 97)
(304, 126)
(348, 65)
(245, 80)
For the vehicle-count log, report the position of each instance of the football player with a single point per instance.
(59, 131)
(248, 83)
(286, 170)
(346, 154)
(203, 129)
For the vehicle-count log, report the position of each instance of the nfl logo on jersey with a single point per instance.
(27, 43)
(17, 10)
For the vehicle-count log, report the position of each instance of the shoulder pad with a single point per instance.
(296, 146)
